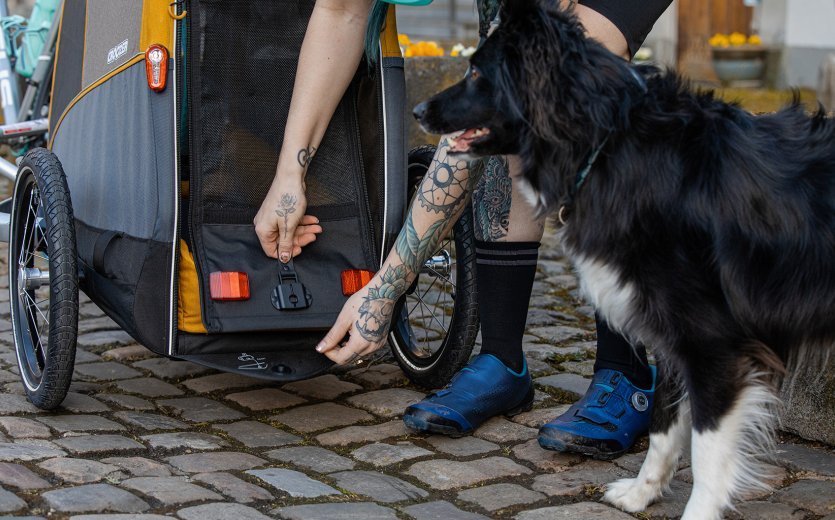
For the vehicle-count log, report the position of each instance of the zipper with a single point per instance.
(363, 197)
(175, 275)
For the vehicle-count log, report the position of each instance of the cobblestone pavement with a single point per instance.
(141, 434)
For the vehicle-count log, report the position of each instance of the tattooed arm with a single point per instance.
(328, 59)
(441, 197)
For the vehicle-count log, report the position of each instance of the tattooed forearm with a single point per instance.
(445, 186)
(413, 249)
(491, 200)
(375, 313)
(305, 156)
(286, 206)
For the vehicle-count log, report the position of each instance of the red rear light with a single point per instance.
(355, 279)
(156, 67)
(229, 286)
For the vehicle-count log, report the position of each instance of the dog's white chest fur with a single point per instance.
(607, 292)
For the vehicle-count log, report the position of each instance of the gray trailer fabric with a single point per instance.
(117, 147)
(112, 36)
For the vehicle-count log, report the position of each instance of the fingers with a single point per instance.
(286, 234)
(267, 238)
(334, 336)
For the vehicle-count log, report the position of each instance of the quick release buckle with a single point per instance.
(290, 293)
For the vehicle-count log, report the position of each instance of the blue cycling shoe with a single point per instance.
(482, 389)
(605, 422)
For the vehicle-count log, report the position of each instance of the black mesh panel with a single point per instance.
(247, 69)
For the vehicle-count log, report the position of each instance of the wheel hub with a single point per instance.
(32, 278)
(439, 265)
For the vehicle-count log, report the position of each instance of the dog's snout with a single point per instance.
(420, 110)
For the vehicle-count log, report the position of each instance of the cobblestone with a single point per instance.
(254, 434)
(545, 460)
(356, 434)
(190, 440)
(574, 511)
(447, 474)
(317, 417)
(25, 452)
(571, 383)
(15, 403)
(89, 444)
(130, 402)
(440, 510)
(81, 423)
(200, 409)
(150, 421)
(104, 338)
(20, 477)
(129, 353)
(148, 387)
(379, 376)
(171, 369)
(500, 496)
(817, 496)
(233, 487)
(572, 481)
(378, 486)
(224, 381)
(221, 512)
(536, 418)
(804, 458)
(312, 458)
(381, 454)
(327, 387)
(357, 511)
(94, 498)
(80, 403)
(139, 466)
(10, 502)
(500, 430)
(105, 371)
(386, 403)
(79, 471)
(215, 461)
(265, 399)
(22, 428)
(462, 447)
(293, 483)
(171, 491)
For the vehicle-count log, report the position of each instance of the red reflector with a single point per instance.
(355, 279)
(229, 286)
(156, 67)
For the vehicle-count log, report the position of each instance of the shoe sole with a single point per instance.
(566, 447)
(422, 425)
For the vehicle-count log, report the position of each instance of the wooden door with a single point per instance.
(698, 20)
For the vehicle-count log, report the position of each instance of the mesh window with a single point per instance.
(247, 66)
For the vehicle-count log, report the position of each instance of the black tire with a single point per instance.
(431, 361)
(43, 236)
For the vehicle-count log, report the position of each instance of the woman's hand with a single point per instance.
(281, 225)
(365, 318)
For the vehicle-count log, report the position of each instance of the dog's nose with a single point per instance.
(420, 111)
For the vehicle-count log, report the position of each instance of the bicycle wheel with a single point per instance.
(437, 320)
(43, 279)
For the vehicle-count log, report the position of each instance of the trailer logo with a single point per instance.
(252, 362)
(117, 52)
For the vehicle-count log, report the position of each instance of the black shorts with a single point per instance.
(634, 19)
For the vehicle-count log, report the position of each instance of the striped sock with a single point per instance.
(504, 277)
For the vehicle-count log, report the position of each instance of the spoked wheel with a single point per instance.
(437, 320)
(43, 279)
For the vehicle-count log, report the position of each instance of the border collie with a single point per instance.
(696, 228)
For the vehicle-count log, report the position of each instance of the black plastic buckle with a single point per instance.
(290, 293)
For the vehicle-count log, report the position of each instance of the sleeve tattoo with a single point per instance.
(492, 199)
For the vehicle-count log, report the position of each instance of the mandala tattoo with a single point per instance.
(448, 186)
(377, 307)
(286, 206)
(491, 200)
(305, 156)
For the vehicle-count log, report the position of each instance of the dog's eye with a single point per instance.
(474, 74)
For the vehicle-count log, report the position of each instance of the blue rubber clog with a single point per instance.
(481, 390)
(605, 423)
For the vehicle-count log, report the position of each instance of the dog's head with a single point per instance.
(539, 88)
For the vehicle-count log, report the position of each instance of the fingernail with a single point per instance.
(320, 347)
(285, 257)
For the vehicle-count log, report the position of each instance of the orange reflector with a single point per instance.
(156, 67)
(355, 279)
(229, 286)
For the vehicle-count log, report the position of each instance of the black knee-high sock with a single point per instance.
(504, 275)
(615, 353)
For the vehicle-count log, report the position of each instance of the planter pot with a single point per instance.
(733, 64)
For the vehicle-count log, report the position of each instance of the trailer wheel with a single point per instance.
(436, 322)
(43, 279)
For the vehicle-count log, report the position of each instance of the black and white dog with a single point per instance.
(698, 229)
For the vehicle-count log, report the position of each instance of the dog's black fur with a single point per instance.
(722, 222)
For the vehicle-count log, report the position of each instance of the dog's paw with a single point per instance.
(631, 495)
